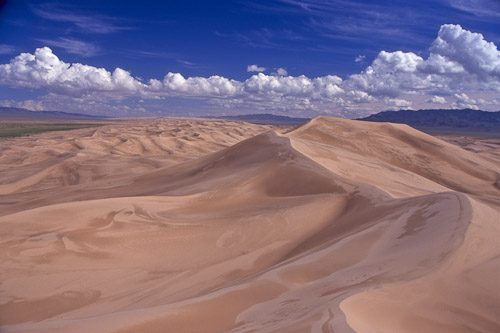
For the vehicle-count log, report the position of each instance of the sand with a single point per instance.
(213, 226)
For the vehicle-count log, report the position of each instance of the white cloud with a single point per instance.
(437, 100)
(404, 62)
(438, 64)
(255, 69)
(459, 60)
(44, 69)
(264, 84)
(26, 104)
(463, 101)
(468, 49)
(388, 75)
(302, 86)
(360, 58)
(281, 71)
(397, 103)
(358, 96)
(461, 64)
(176, 84)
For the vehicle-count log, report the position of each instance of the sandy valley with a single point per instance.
(178, 225)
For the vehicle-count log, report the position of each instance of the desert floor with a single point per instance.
(216, 226)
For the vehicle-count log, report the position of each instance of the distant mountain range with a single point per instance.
(446, 119)
(11, 113)
(24, 114)
(439, 120)
(267, 118)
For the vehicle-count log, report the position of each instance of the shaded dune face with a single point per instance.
(337, 226)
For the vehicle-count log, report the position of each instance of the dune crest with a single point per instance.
(336, 226)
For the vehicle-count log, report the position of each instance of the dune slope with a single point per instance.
(337, 226)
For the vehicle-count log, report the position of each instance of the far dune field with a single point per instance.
(192, 225)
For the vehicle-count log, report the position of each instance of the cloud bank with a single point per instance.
(461, 70)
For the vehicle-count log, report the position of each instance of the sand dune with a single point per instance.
(69, 158)
(488, 146)
(337, 226)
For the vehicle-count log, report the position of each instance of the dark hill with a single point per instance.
(267, 118)
(23, 114)
(447, 119)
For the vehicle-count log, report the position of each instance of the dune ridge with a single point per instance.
(336, 226)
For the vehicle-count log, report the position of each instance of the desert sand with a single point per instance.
(211, 226)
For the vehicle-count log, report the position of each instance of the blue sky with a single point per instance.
(292, 43)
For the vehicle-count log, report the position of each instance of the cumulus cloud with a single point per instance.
(281, 71)
(461, 65)
(358, 96)
(176, 84)
(437, 100)
(440, 65)
(389, 74)
(397, 103)
(26, 104)
(459, 60)
(463, 101)
(255, 69)
(470, 50)
(44, 69)
(321, 87)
